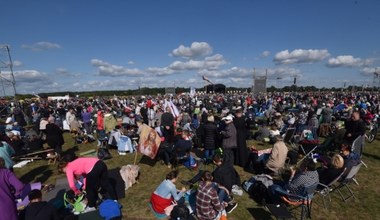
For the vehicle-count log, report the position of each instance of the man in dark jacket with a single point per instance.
(37, 209)
(229, 140)
(209, 134)
(54, 137)
(225, 174)
(354, 127)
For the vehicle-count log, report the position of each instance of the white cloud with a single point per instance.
(195, 50)
(17, 63)
(282, 72)
(107, 69)
(27, 81)
(40, 46)
(300, 56)
(265, 53)
(227, 73)
(65, 73)
(347, 61)
(212, 62)
(160, 71)
(29, 76)
(131, 62)
(369, 71)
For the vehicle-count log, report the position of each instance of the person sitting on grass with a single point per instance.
(225, 181)
(166, 194)
(269, 162)
(208, 205)
(224, 174)
(183, 146)
(95, 173)
(38, 209)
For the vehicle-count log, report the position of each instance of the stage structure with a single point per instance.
(7, 79)
(259, 84)
(213, 88)
(376, 79)
(170, 90)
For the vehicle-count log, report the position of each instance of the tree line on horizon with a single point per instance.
(179, 90)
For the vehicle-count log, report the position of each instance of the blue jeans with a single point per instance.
(209, 153)
(263, 158)
(222, 194)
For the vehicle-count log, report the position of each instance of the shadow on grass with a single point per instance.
(259, 213)
(148, 161)
(71, 151)
(376, 157)
(42, 172)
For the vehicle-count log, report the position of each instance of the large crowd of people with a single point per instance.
(218, 123)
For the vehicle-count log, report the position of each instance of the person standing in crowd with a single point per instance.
(6, 153)
(86, 118)
(10, 187)
(241, 153)
(70, 115)
(95, 173)
(100, 124)
(229, 142)
(166, 131)
(166, 194)
(54, 137)
(210, 133)
(19, 116)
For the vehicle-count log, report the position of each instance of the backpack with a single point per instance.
(260, 193)
(110, 209)
(180, 212)
(104, 154)
(190, 162)
(257, 188)
(76, 204)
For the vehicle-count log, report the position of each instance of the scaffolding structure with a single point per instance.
(7, 79)
(376, 79)
(259, 84)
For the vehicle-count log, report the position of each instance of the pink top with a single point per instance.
(79, 167)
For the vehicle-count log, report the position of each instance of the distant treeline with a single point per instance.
(178, 90)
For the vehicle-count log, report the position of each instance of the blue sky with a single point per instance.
(81, 45)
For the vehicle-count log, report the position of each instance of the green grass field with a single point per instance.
(366, 206)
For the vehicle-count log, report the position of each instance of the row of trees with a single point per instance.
(178, 90)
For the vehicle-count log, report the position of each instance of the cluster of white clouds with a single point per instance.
(107, 69)
(348, 61)
(198, 58)
(300, 56)
(196, 49)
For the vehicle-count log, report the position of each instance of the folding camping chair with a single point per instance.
(358, 147)
(303, 201)
(324, 190)
(346, 181)
(289, 137)
(307, 154)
